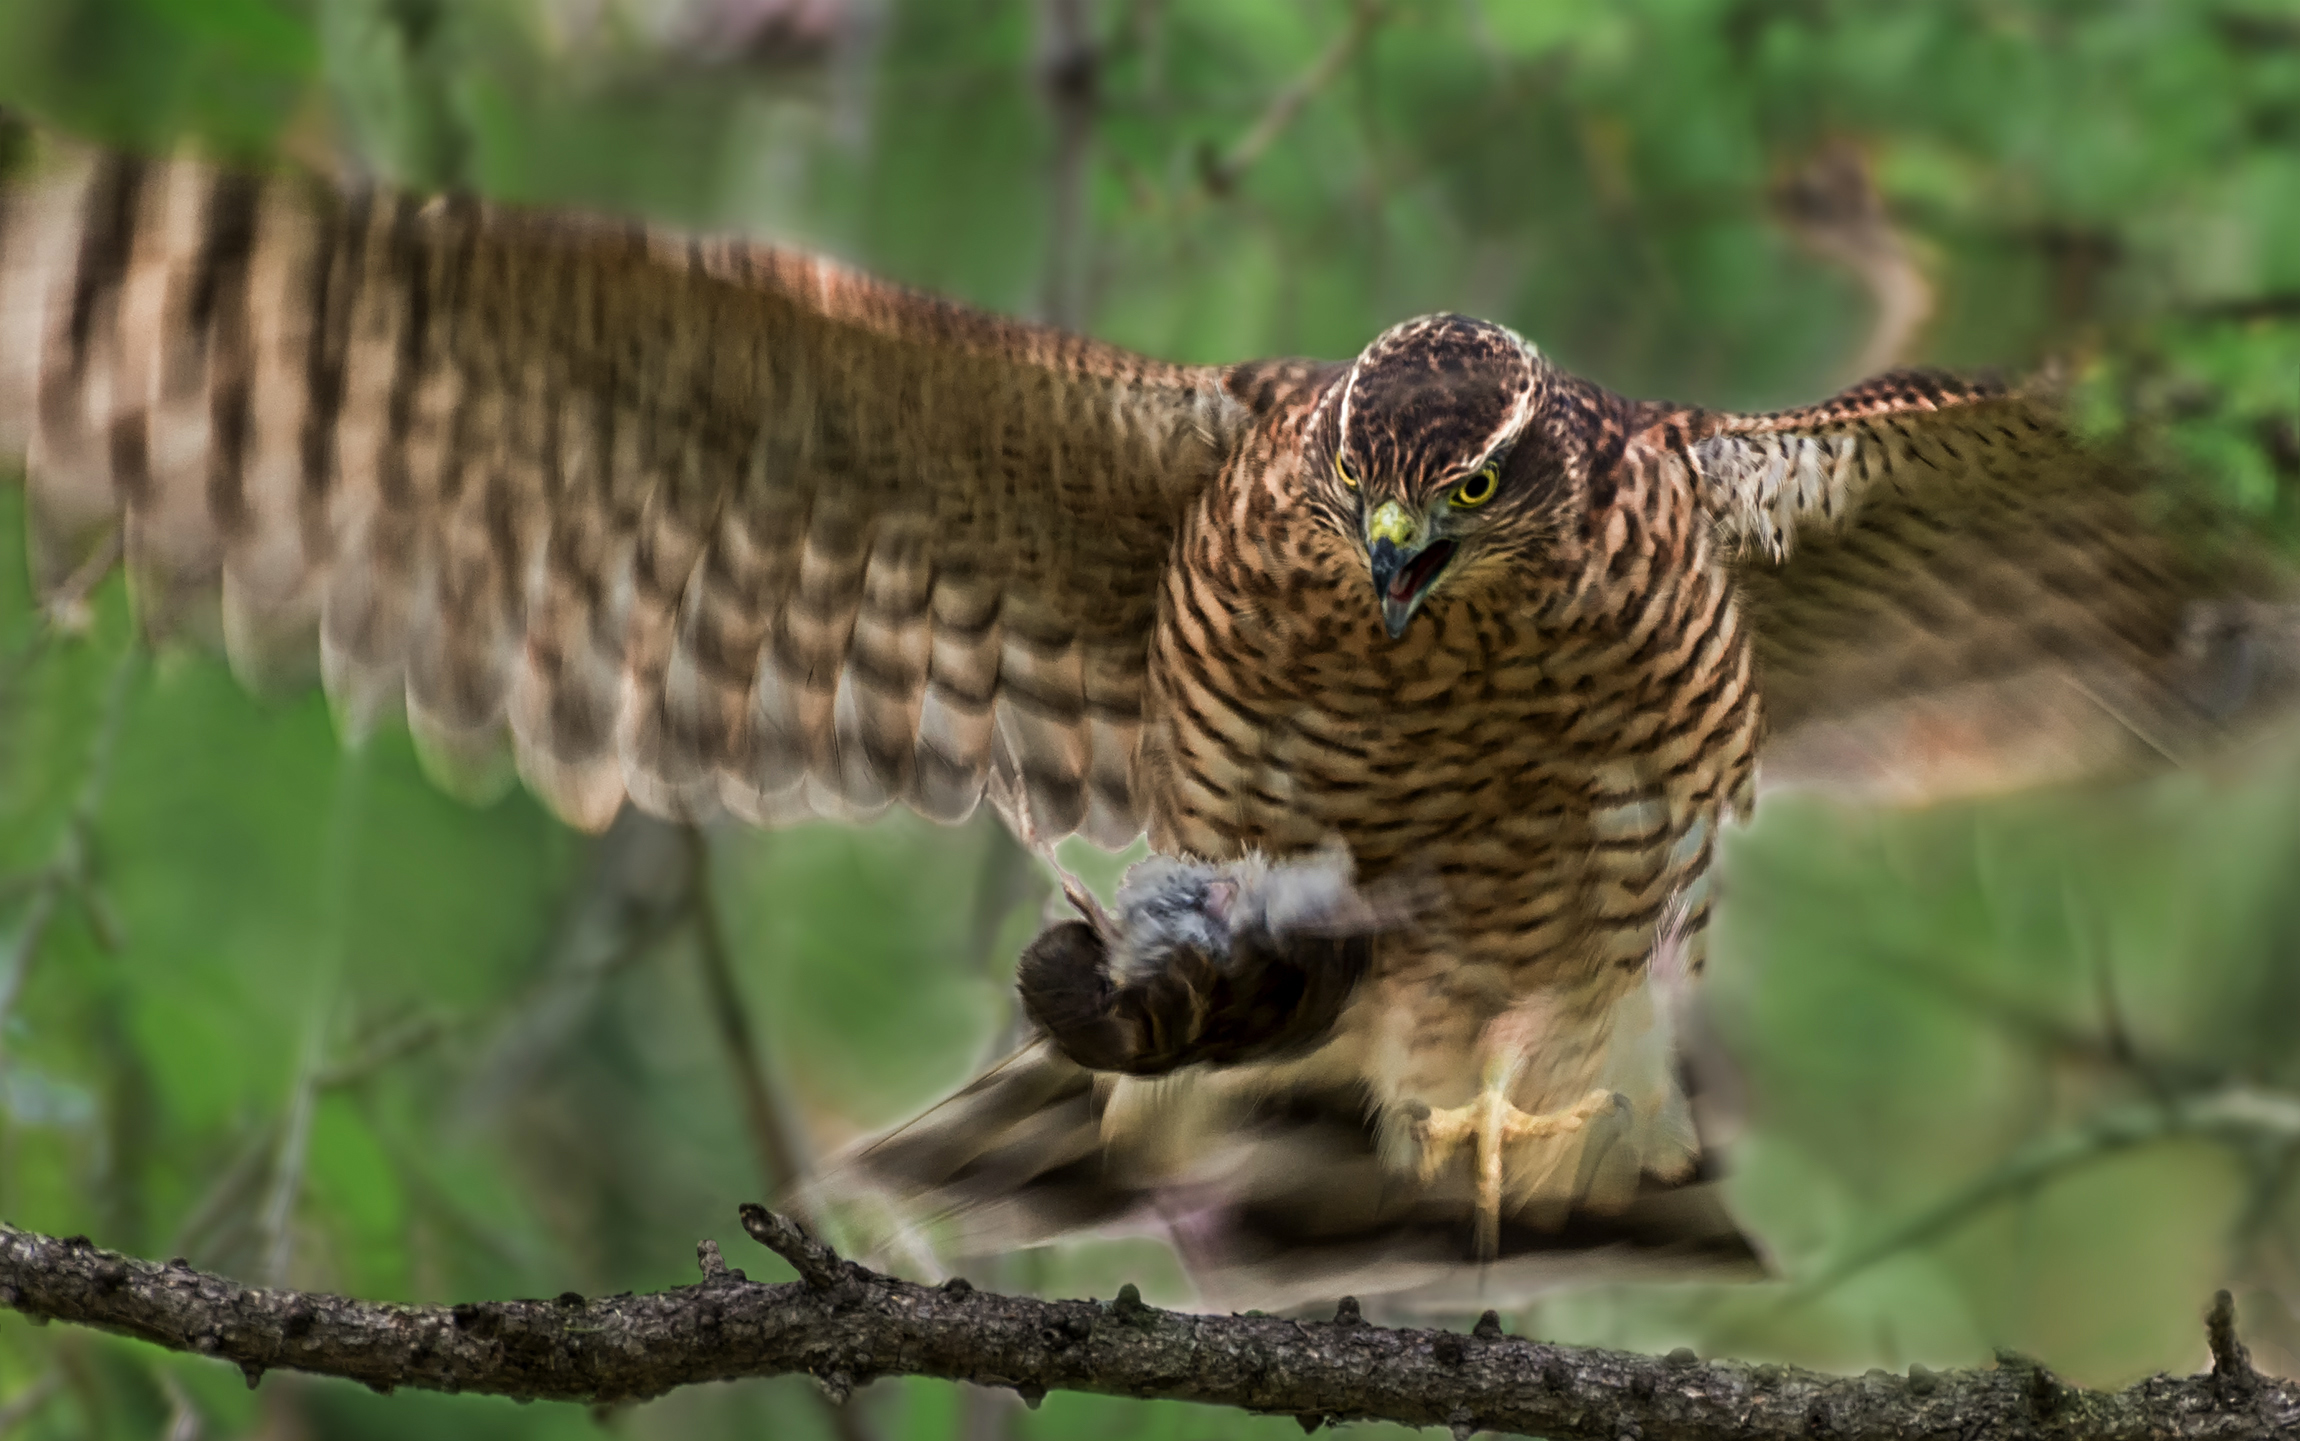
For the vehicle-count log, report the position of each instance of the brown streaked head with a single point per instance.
(1417, 443)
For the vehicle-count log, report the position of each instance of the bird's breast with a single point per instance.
(1539, 772)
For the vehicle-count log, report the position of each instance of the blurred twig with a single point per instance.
(27, 1403)
(781, 1152)
(385, 1047)
(220, 1218)
(2107, 1052)
(483, 1233)
(2237, 1115)
(183, 1413)
(70, 871)
(66, 606)
(1069, 72)
(846, 1325)
(776, 1141)
(2275, 1168)
(632, 896)
(2180, 1097)
(2274, 305)
(275, 1224)
(1833, 207)
(220, 1215)
(1221, 173)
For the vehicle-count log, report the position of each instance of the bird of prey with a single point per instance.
(1434, 672)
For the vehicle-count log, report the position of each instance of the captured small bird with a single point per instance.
(1432, 674)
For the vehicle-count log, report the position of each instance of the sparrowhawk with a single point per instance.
(1437, 669)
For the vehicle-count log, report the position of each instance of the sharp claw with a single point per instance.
(1516, 1125)
(1013, 806)
(1490, 1123)
(1082, 901)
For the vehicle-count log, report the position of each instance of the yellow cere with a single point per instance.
(1393, 523)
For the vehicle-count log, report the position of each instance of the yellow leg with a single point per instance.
(1489, 1123)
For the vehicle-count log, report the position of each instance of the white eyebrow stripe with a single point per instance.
(1505, 435)
(1520, 412)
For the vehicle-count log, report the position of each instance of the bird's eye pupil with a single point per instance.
(1479, 488)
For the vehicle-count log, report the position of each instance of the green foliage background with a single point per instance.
(310, 1018)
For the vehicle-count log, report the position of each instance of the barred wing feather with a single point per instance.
(1951, 594)
(699, 522)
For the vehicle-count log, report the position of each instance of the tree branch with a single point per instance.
(1221, 174)
(846, 1325)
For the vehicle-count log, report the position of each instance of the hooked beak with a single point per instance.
(1404, 564)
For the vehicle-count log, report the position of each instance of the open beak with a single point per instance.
(1404, 563)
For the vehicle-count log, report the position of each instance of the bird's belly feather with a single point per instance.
(1546, 796)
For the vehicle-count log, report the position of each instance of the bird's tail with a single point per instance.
(1269, 1185)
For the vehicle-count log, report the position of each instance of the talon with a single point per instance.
(1490, 1123)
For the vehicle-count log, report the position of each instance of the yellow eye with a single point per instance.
(1342, 469)
(1479, 488)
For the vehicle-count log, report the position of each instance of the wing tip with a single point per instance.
(586, 794)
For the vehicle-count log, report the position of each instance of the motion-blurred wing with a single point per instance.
(1950, 594)
(698, 521)
(1273, 1195)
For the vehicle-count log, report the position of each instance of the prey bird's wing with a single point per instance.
(696, 521)
(1950, 593)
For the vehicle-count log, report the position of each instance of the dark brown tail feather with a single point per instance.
(1286, 1205)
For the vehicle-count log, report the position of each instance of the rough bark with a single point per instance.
(846, 1325)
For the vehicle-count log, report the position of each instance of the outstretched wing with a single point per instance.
(697, 521)
(1949, 593)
